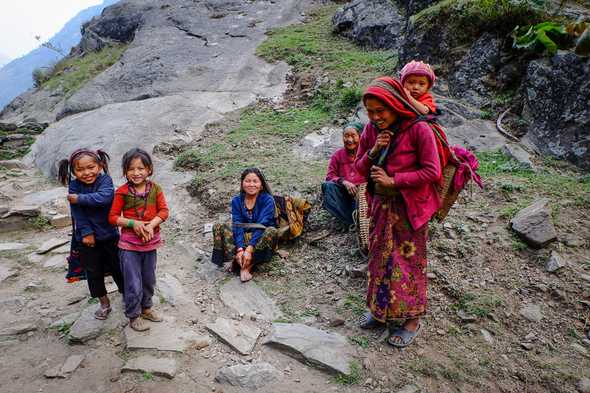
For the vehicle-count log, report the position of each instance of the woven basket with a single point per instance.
(362, 220)
(447, 194)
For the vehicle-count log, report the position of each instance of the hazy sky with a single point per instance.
(22, 20)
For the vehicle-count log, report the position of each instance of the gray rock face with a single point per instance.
(415, 6)
(185, 46)
(18, 218)
(164, 336)
(555, 262)
(5, 270)
(473, 80)
(534, 224)
(71, 364)
(157, 366)
(556, 104)
(241, 336)
(329, 351)
(248, 298)
(250, 376)
(532, 312)
(87, 327)
(479, 135)
(321, 144)
(374, 23)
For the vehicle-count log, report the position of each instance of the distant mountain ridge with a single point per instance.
(15, 77)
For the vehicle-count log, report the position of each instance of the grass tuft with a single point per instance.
(353, 378)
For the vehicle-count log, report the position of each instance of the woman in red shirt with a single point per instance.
(399, 157)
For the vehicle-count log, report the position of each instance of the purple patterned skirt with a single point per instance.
(397, 262)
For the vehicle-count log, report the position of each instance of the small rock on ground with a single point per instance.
(157, 366)
(71, 364)
(171, 289)
(532, 312)
(252, 376)
(249, 298)
(555, 262)
(17, 328)
(409, 389)
(534, 224)
(165, 336)
(87, 327)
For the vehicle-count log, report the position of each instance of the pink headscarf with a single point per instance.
(417, 68)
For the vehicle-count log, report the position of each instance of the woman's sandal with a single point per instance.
(102, 313)
(139, 325)
(366, 321)
(406, 336)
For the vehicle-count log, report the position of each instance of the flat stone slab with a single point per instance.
(65, 249)
(239, 335)
(171, 289)
(18, 327)
(249, 298)
(148, 364)
(71, 364)
(327, 351)
(250, 376)
(87, 327)
(55, 261)
(12, 246)
(51, 244)
(165, 336)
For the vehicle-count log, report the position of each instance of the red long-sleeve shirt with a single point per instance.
(414, 165)
(342, 167)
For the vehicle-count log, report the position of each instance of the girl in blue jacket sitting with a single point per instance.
(90, 193)
(252, 237)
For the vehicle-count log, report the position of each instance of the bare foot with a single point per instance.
(245, 275)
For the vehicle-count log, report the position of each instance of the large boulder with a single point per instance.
(534, 224)
(474, 79)
(557, 93)
(372, 23)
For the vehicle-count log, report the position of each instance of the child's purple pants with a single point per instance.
(139, 274)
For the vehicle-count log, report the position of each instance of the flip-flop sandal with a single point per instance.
(102, 313)
(407, 337)
(366, 321)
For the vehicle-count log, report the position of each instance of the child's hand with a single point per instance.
(149, 230)
(139, 229)
(89, 240)
(73, 198)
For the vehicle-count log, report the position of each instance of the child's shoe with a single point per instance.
(138, 325)
(152, 315)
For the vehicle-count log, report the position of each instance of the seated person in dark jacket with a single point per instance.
(340, 188)
(252, 238)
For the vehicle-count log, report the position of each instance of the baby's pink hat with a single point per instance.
(417, 68)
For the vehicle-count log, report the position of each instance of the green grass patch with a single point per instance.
(470, 18)
(355, 303)
(71, 73)
(263, 138)
(313, 47)
(354, 378)
(562, 184)
(361, 341)
(481, 305)
(146, 376)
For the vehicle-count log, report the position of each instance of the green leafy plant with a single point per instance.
(545, 35)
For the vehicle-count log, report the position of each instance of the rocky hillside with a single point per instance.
(213, 86)
(16, 76)
(546, 95)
